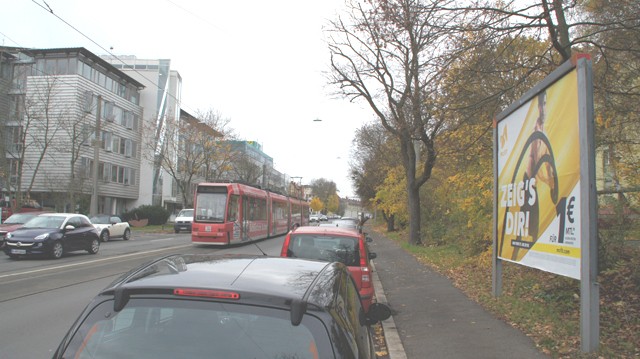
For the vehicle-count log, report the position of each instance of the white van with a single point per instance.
(183, 220)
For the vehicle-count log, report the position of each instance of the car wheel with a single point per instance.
(104, 236)
(127, 234)
(57, 250)
(95, 246)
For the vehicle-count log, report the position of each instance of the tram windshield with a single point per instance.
(210, 207)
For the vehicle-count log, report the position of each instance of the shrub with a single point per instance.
(156, 215)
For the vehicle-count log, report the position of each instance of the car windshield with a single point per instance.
(100, 219)
(186, 213)
(19, 218)
(325, 247)
(155, 328)
(44, 222)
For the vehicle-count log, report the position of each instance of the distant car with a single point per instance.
(324, 217)
(334, 244)
(53, 234)
(14, 222)
(111, 227)
(208, 306)
(314, 218)
(183, 221)
(341, 224)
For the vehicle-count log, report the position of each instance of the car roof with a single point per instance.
(261, 280)
(326, 230)
(61, 214)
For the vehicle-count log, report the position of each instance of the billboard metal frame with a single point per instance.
(589, 288)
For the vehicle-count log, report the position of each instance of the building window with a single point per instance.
(107, 141)
(13, 140)
(88, 135)
(104, 171)
(86, 167)
(62, 66)
(118, 114)
(108, 111)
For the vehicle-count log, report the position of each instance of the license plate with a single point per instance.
(18, 251)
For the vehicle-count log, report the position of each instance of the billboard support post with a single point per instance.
(496, 276)
(589, 288)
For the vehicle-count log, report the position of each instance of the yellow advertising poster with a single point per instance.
(539, 181)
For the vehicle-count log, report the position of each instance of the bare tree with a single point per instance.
(392, 55)
(246, 170)
(374, 154)
(221, 154)
(323, 189)
(34, 133)
(193, 150)
(75, 135)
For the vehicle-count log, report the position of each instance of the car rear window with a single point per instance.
(153, 328)
(325, 247)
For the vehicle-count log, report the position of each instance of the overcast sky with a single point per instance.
(259, 63)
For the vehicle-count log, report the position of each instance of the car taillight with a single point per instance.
(285, 246)
(364, 267)
(207, 293)
(363, 254)
(366, 278)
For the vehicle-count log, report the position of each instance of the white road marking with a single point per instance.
(89, 262)
(162, 239)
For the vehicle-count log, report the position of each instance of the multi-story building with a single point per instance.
(161, 100)
(50, 111)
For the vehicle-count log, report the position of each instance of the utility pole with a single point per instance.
(93, 210)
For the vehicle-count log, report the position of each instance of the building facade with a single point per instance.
(51, 109)
(161, 98)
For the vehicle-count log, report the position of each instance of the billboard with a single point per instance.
(538, 180)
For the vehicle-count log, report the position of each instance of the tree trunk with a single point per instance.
(413, 203)
(391, 222)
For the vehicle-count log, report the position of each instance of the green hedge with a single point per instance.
(156, 215)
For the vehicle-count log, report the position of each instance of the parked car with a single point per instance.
(14, 222)
(53, 234)
(110, 226)
(208, 306)
(341, 224)
(324, 218)
(335, 244)
(28, 205)
(314, 218)
(183, 220)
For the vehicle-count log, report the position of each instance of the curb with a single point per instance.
(391, 337)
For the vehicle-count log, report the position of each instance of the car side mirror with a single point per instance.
(369, 239)
(377, 313)
(373, 255)
(69, 227)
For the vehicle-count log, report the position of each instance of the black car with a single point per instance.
(53, 234)
(207, 306)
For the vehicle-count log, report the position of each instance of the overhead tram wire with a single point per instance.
(48, 9)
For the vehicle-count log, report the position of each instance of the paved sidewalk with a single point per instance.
(432, 318)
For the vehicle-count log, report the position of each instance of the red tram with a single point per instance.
(229, 213)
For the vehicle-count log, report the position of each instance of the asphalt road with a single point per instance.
(41, 298)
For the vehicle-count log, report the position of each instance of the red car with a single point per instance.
(14, 222)
(335, 244)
